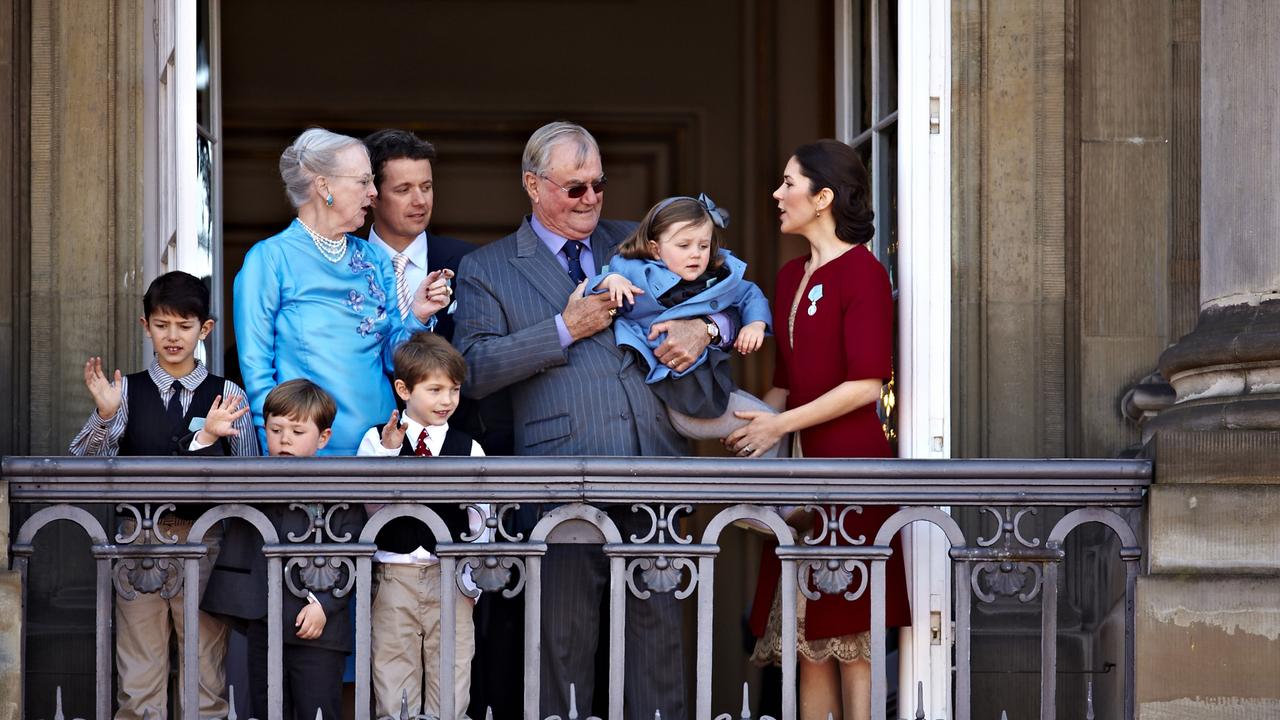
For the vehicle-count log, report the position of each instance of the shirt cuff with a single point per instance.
(196, 444)
(563, 332)
(380, 450)
(727, 330)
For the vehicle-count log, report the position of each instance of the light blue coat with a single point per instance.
(300, 316)
(631, 328)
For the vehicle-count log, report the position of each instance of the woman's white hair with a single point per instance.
(538, 149)
(314, 153)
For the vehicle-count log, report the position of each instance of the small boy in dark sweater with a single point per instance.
(317, 638)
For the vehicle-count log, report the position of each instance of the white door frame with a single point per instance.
(923, 384)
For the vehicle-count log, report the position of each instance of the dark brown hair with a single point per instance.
(661, 218)
(301, 400)
(180, 293)
(426, 353)
(387, 145)
(832, 164)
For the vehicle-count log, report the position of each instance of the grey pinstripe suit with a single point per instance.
(587, 399)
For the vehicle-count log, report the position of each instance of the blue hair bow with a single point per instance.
(719, 216)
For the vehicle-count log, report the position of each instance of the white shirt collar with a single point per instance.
(435, 434)
(416, 252)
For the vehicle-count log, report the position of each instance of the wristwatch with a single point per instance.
(713, 330)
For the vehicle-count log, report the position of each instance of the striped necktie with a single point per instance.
(403, 298)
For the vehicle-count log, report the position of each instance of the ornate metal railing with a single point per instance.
(661, 491)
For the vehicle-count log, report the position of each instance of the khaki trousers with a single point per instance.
(405, 636)
(143, 627)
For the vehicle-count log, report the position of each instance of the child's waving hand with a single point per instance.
(106, 393)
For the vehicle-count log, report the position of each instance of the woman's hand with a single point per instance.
(755, 438)
(433, 295)
(219, 422)
(310, 621)
(750, 337)
(106, 394)
(393, 432)
(619, 288)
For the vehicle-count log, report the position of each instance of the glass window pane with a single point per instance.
(862, 31)
(202, 265)
(204, 105)
(888, 80)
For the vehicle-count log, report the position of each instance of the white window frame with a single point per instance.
(923, 383)
(170, 176)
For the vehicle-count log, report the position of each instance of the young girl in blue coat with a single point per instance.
(673, 267)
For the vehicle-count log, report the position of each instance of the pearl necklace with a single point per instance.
(332, 250)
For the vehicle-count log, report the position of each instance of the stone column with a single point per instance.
(1209, 610)
(1227, 371)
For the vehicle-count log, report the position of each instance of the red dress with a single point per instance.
(847, 336)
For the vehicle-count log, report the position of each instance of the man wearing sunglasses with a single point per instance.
(523, 322)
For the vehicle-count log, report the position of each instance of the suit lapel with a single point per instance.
(536, 263)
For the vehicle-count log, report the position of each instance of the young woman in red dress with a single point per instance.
(833, 320)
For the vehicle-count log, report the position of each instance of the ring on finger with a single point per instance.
(613, 312)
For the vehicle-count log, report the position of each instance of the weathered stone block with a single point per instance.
(10, 646)
(1208, 647)
(1236, 457)
(1231, 529)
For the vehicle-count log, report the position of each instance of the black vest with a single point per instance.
(149, 432)
(404, 535)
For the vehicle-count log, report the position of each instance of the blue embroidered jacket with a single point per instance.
(297, 315)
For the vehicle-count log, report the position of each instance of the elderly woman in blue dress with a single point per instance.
(315, 302)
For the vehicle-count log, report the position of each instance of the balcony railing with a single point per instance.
(663, 492)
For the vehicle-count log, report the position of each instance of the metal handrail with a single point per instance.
(576, 487)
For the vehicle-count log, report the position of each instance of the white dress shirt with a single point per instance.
(371, 445)
(415, 271)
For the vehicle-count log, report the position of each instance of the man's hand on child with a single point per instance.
(393, 432)
(310, 622)
(685, 341)
(586, 315)
(619, 288)
(219, 422)
(106, 394)
(750, 337)
(433, 295)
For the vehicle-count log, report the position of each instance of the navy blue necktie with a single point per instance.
(174, 409)
(573, 253)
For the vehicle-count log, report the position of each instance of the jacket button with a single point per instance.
(715, 304)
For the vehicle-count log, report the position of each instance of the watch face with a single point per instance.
(713, 330)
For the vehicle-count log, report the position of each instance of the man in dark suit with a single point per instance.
(523, 324)
(402, 173)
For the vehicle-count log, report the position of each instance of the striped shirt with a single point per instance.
(102, 437)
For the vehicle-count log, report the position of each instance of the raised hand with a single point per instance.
(220, 421)
(433, 294)
(393, 432)
(106, 393)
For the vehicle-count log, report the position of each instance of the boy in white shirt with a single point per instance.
(405, 616)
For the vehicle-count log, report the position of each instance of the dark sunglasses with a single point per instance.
(577, 191)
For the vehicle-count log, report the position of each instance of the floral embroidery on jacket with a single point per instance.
(357, 263)
(355, 300)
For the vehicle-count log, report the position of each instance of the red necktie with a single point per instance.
(421, 448)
